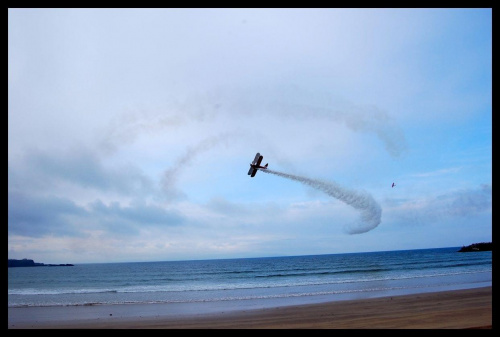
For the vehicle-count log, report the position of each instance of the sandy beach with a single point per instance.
(458, 309)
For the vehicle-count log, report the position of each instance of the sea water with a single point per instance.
(244, 281)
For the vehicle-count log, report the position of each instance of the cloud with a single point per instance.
(35, 216)
(38, 216)
(78, 167)
(437, 173)
(461, 203)
(468, 202)
(132, 218)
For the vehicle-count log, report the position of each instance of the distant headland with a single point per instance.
(31, 263)
(477, 247)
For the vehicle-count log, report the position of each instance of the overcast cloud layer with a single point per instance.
(131, 132)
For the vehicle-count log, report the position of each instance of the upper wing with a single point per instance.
(256, 158)
(259, 160)
(253, 173)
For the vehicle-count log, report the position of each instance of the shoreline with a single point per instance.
(455, 309)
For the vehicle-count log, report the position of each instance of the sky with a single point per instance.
(130, 132)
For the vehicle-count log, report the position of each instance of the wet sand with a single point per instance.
(457, 309)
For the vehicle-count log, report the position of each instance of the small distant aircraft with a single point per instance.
(255, 165)
(393, 184)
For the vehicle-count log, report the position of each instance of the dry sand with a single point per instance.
(458, 309)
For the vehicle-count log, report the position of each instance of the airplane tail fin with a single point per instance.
(265, 165)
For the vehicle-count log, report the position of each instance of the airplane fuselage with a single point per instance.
(258, 166)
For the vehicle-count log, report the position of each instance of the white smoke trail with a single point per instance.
(169, 179)
(371, 212)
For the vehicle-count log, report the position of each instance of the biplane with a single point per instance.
(255, 165)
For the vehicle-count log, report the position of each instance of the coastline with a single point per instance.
(456, 309)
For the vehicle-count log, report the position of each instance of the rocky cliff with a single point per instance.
(31, 263)
(477, 247)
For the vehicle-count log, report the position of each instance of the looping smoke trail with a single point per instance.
(371, 212)
(169, 178)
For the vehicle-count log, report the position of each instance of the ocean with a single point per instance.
(251, 282)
